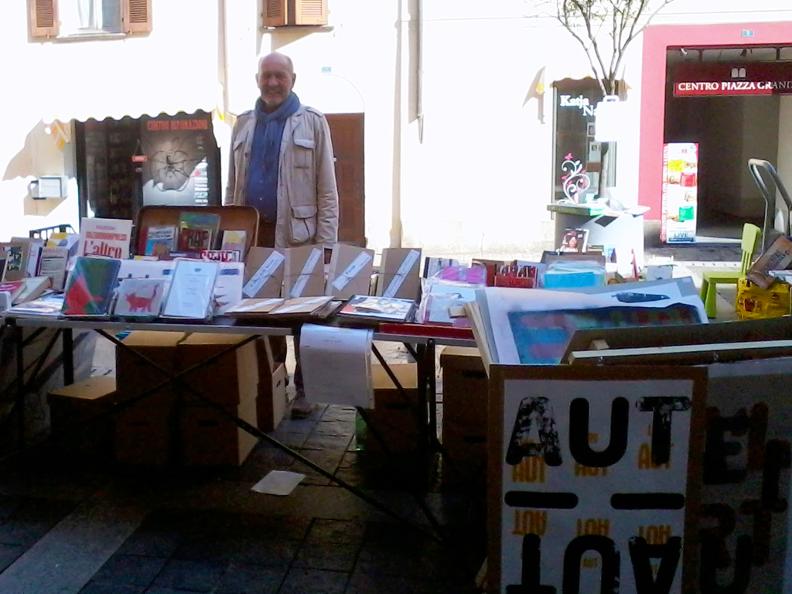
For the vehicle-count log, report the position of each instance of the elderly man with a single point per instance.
(282, 163)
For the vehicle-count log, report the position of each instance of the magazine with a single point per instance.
(105, 237)
(160, 240)
(89, 288)
(190, 294)
(379, 309)
(197, 231)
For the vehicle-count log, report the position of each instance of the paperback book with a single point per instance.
(89, 288)
(105, 237)
(32, 288)
(54, 261)
(197, 231)
(160, 241)
(378, 309)
(254, 308)
(13, 288)
(17, 254)
(49, 305)
(234, 240)
(306, 308)
(190, 294)
(228, 286)
(140, 298)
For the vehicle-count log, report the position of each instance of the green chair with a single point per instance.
(710, 280)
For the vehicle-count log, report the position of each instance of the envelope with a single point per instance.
(399, 273)
(350, 271)
(264, 271)
(304, 271)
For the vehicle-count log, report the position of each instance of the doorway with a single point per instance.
(346, 131)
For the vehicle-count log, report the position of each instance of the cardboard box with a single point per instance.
(465, 459)
(133, 375)
(465, 388)
(142, 433)
(394, 418)
(230, 379)
(72, 405)
(272, 398)
(209, 438)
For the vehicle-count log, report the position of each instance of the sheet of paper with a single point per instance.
(336, 365)
(278, 482)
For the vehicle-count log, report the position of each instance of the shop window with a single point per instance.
(577, 157)
(283, 13)
(71, 19)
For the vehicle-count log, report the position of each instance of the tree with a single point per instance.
(604, 28)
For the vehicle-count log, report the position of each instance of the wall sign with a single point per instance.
(590, 492)
(766, 78)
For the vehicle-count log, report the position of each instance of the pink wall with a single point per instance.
(657, 40)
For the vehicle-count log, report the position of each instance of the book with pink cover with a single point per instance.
(140, 297)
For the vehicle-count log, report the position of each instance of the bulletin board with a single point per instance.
(590, 485)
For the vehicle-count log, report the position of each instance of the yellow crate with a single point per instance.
(754, 303)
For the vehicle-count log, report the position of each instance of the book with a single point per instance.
(303, 271)
(234, 239)
(254, 308)
(105, 237)
(778, 256)
(54, 261)
(228, 286)
(264, 271)
(305, 308)
(17, 253)
(139, 297)
(160, 241)
(34, 246)
(32, 288)
(70, 241)
(89, 287)
(190, 294)
(574, 240)
(221, 255)
(49, 304)
(378, 309)
(3, 255)
(349, 272)
(197, 231)
(399, 273)
(13, 288)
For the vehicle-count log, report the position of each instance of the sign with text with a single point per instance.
(765, 78)
(590, 492)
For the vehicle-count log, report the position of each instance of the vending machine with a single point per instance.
(680, 183)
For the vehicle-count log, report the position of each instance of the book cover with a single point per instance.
(399, 273)
(350, 271)
(32, 288)
(264, 270)
(34, 247)
(16, 260)
(228, 286)
(89, 287)
(301, 307)
(193, 241)
(139, 297)
(304, 271)
(254, 308)
(105, 237)
(160, 240)
(53, 264)
(49, 304)
(190, 294)
(14, 288)
(574, 240)
(222, 255)
(384, 309)
(234, 239)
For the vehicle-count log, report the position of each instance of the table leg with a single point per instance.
(20, 384)
(68, 356)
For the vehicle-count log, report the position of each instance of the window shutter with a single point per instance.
(43, 18)
(310, 12)
(275, 13)
(137, 16)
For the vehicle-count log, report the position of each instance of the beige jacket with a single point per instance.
(307, 193)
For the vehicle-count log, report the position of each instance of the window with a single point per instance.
(79, 18)
(281, 13)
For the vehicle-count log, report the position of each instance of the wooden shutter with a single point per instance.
(275, 13)
(43, 15)
(137, 16)
(310, 12)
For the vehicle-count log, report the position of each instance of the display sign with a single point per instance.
(589, 468)
(180, 156)
(680, 189)
(765, 78)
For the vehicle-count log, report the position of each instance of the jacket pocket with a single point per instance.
(302, 223)
(304, 152)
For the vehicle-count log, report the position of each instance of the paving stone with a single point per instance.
(273, 552)
(303, 581)
(97, 588)
(32, 520)
(335, 557)
(151, 543)
(243, 579)
(336, 531)
(9, 554)
(129, 570)
(197, 576)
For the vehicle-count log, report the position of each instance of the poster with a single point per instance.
(180, 155)
(679, 199)
(592, 486)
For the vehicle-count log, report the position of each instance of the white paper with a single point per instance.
(401, 273)
(352, 270)
(336, 365)
(305, 274)
(191, 289)
(105, 237)
(228, 286)
(278, 482)
(262, 275)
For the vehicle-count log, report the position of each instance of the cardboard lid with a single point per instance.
(91, 388)
(153, 338)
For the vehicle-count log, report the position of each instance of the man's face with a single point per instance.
(275, 81)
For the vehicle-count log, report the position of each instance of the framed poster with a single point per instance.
(590, 481)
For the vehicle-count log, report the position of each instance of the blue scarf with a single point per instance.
(262, 180)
